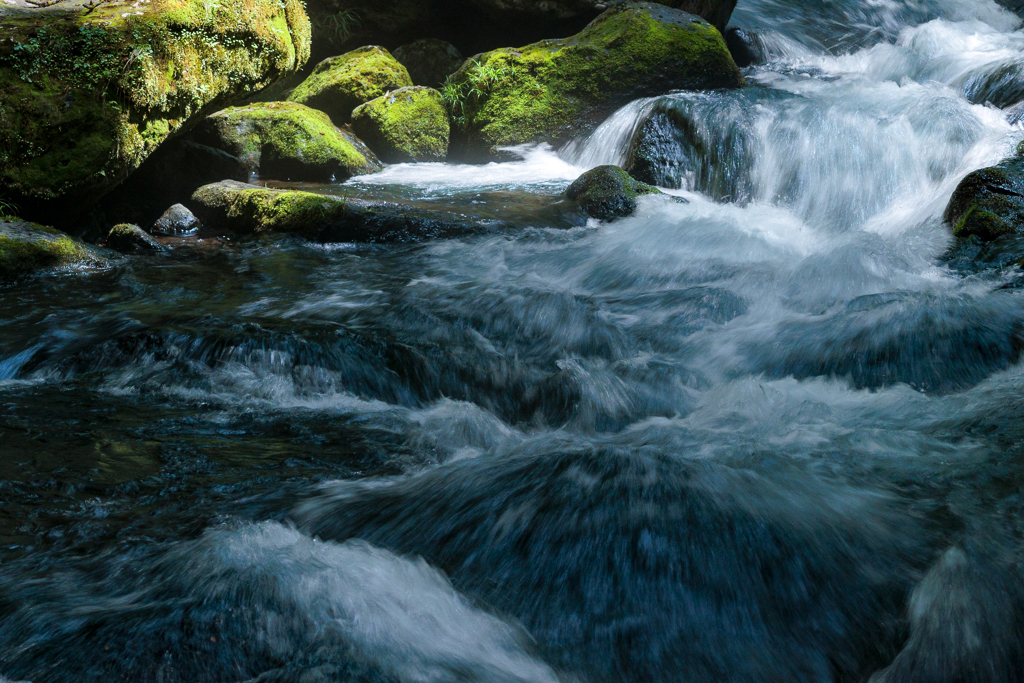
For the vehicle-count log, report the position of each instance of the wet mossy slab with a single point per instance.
(27, 248)
(246, 209)
(551, 90)
(87, 96)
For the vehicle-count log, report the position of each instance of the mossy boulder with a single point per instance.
(86, 97)
(549, 91)
(245, 209)
(409, 124)
(129, 239)
(26, 248)
(287, 141)
(429, 61)
(340, 84)
(989, 203)
(608, 192)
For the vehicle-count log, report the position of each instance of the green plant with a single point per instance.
(473, 86)
(8, 209)
(338, 27)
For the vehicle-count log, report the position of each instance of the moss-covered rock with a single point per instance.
(989, 203)
(85, 97)
(287, 140)
(129, 239)
(26, 248)
(608, 192)
(409, 124)
(340, 84)
(429, 61)
(245, 209)
(543, 92)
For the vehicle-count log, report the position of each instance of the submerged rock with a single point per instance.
(545, 91)
(26, 248)
(127, 239)
(608, 192)
(288, 141)
(86, 97)
(340, 84)
(429, 61)
(410, 124)
(177, 220)
(240, 208)
(989, 203)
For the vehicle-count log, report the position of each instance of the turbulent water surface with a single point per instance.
(772, 433)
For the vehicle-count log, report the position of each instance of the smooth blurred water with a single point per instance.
(765, 435)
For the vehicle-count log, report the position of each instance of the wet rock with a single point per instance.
(239, 208)
(409, 124)
(177, 220)
(288, 141)
(548, 91)
(128, 239)
(989, 203)
(26, 248)
(745, 46)
(340, 84)
(429, 61)
(63, 146)
(608, 192)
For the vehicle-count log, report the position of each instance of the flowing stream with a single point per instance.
(765, 434)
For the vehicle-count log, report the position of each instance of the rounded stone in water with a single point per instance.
(177, 220)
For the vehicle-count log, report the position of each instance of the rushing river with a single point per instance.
(765, 434)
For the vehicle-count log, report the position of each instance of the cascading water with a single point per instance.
(763, 435)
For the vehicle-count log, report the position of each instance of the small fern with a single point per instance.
(474, 86)
(338, 27)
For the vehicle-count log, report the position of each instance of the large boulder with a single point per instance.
(717, 12)
(87, 96)
(340, 84)
(549, 91)
(288, 141)
(608, 192)
(410, 124)
(471, 25)
(430, 61)
(989, 203)
(239, 208)
(26, 248)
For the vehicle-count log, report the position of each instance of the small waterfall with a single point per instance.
(609, 143)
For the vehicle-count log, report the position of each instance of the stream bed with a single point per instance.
(764, 434)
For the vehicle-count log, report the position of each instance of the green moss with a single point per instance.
(19, 257)
(410, 124)
(538, 92)
(340, 84)
(86, 97)
(287, 140)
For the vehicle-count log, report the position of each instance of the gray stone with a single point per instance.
(177, 220)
